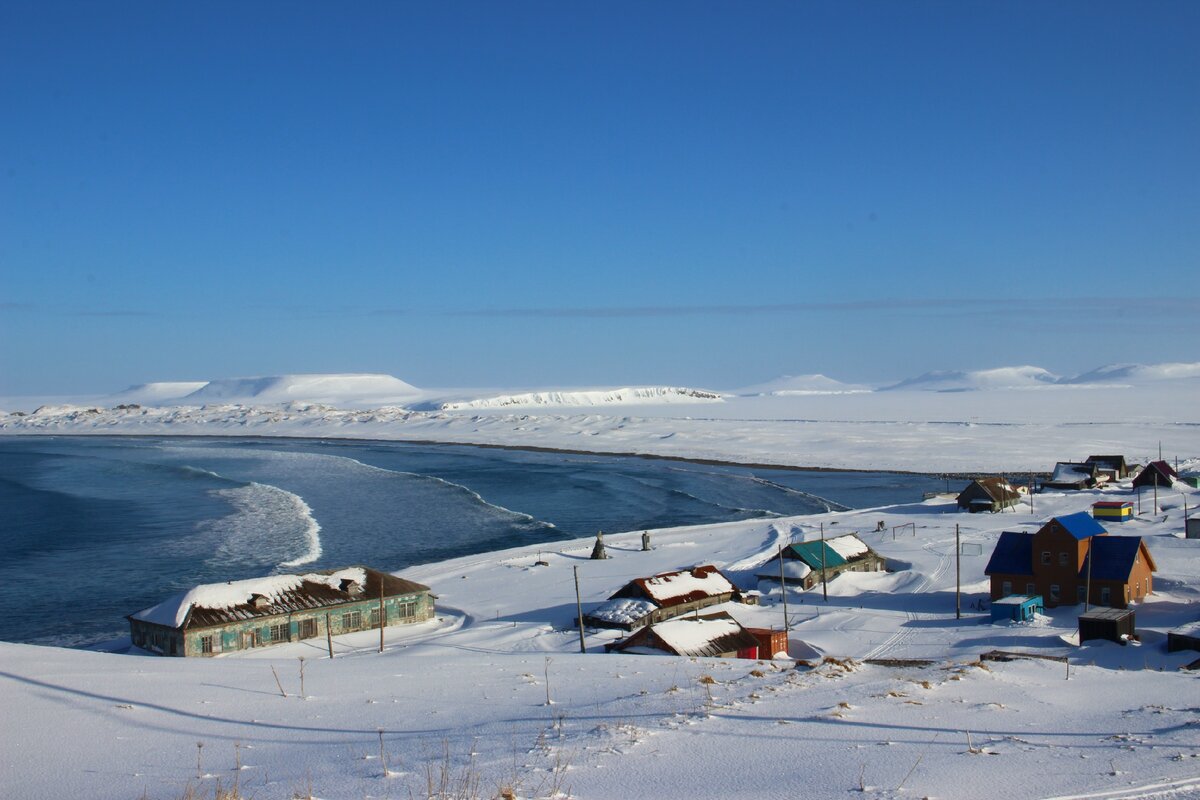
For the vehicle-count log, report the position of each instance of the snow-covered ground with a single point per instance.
(1014, 419)
(464, 698)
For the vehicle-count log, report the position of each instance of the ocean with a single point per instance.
(95, 528)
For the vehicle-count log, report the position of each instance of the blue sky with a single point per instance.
(516, 194)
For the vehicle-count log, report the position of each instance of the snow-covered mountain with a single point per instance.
(593, 397)
(801, 385)
(959, 381)
(334, 389)
(1138, 373)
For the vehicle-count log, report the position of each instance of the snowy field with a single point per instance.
(462, 702)
(494, 694)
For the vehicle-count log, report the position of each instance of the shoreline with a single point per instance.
(713, 462)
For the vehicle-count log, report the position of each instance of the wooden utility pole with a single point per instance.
(824, 576)
(957, 575)
(579, 610)
(783, 588)
(1031, 493)
(382, 616)
(1155, 511)
(329, 634)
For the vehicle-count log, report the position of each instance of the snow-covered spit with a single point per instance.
(1009, 419)
(494, 693)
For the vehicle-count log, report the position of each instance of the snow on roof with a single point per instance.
(702, 581)
(1015, 599)
(1069, 473)
(622, 610)
(793, 569)
(688, 635)
(173, 612)
(848, 547)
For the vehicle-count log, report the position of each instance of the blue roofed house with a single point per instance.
(1055, 563)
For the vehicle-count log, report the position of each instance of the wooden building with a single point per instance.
(988, 494)
(1059, 559)
(1186, 637)
(806, 562)
(1156, 473)
(644, 601)
(1073, 476)
(1017, 608)
(217, 618)
(1191, 527)
(1113, 624)
(1113, 511)
(1115, 467)
(713, 635)
(771, 642)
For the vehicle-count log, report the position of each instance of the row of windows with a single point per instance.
(305, 629)
(1056, 592)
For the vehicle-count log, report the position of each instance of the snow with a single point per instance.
(690, 634)
(601, 397)
(802, 385)
(793, 569)
(681, 584)
(174, 611)
(623, 610)
(1067, 473)
(847, 547)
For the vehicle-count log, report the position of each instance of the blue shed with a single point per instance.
(1017, 607)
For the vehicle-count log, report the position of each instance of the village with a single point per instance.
(1092, 554)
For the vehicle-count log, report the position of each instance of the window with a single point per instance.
(1054, 592)
(374, 617)
(206, 644)
(1062, 559)
(1030, 589)
(1046, 557)
(1080, 594)
(1106, 596)
(279, 633)
(1006, 589)
(352, 621)
(307, 628)
(406, 610)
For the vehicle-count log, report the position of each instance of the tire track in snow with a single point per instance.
(907, 631)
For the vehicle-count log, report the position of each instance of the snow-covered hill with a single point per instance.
(959, 381)
(592, 397)
(1138, 373)
(801, 385)
(349, 389)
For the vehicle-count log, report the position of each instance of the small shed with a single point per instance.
(1191, 480)
(1113, 510)
(1184, 638)
(1017, 608)
(1113, 624)
(1192, 527)
(770, 641)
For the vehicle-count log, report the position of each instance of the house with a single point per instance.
(644, 601)
(1191, 527)
(1115, 467)
(771, 642)
(1017, 608)
(829, 557)
(217, 618)
(988, 494)
(1071, 475)
(714, 635)
(1156, 473)
(1113, 510)
(1058, 559)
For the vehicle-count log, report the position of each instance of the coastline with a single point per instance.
(715, 462)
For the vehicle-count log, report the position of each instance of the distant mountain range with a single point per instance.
(358, 390)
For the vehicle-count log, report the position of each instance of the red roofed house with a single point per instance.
(644, 601)
(714, 635)
(1156, 473)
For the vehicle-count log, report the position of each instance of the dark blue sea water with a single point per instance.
(94, 528)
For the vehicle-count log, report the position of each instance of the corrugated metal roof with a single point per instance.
(1013, 555)
(680, 586)
(701, 636)
(810, 553)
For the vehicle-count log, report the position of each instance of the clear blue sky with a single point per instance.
(513, 194)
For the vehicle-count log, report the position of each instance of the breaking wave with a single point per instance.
(265, 525)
